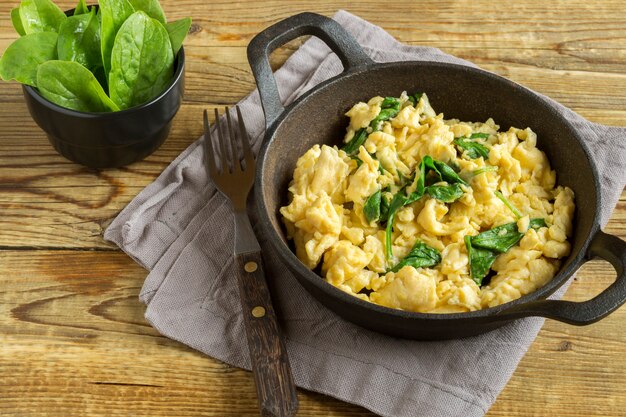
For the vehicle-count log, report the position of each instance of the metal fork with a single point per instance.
(276, 390)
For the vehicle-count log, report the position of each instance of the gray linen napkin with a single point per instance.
(180, 229)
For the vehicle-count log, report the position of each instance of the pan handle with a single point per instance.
(605, 246)
(262, 45)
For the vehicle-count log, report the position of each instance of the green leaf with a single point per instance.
(420, 256)
(371, 209)
(479, 136)
(415, 98)
(178, 30)
(445, 193)
(499, 239)
(486, 168)
(480, 261)
(72, 86)
(142, 61)
(447, 174)
(385, 202)
(473, 150)
(399, 200)
(81, 8)
(152, 8)
(21, 59)
(356, 142)
(358, 160)
(507, 203)
(17, 21)
(389, 108)
(114, 13)
(79, 41)
(537, 223)
(40, 16)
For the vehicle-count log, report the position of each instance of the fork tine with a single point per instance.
(245, 140)
(220, 135)
(208, 146)
(233, 143)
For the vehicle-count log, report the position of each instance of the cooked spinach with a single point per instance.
(355, 143)
(483, 248)
(371, 209)
(40, 16)
(473, 150)
(445, 193)
(415, 98)
(21, 59)
(73, 86)
(389, 108)
(420, 256)
(142, 61)
(507, 203)
(486, 168)
(480, 261)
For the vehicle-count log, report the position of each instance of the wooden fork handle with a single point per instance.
(276, 390)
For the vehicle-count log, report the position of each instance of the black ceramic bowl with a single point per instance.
(460, 92)
(108, 140)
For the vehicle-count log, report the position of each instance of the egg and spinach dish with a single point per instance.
(426, 214)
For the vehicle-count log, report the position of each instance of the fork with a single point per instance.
(276, 390)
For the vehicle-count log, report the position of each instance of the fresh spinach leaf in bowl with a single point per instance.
(100, 59)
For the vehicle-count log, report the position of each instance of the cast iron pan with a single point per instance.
(460, 92)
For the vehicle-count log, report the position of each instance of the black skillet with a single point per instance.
(459, 92)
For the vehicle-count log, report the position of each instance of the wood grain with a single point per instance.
(73, 340)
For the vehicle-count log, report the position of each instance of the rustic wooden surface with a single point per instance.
(73, 340)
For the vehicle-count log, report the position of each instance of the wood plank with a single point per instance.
(74, 342)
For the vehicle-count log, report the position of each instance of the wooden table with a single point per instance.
(73, 340)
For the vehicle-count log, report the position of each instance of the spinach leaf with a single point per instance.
(499, 239)
(537, 223)
(445, 193)
(371, 209)
(356, 142)
(178, 30)
(114, 13)
(483, 248)
(399, 200)
(17, 21)
(420, 256)
(151, 7)
(507, 203)
(447, 174)
(81, 8)
(479, 136)
(21, 59)
(40, 16)
(385, 202)
(415, 98)
(473, 150)
(72, 86)
(358, 160)
(486, 168)
(480, 261)
(389, 108)
(79, 41)
(142, 61)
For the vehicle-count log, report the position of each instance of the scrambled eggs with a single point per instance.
(424, 214)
